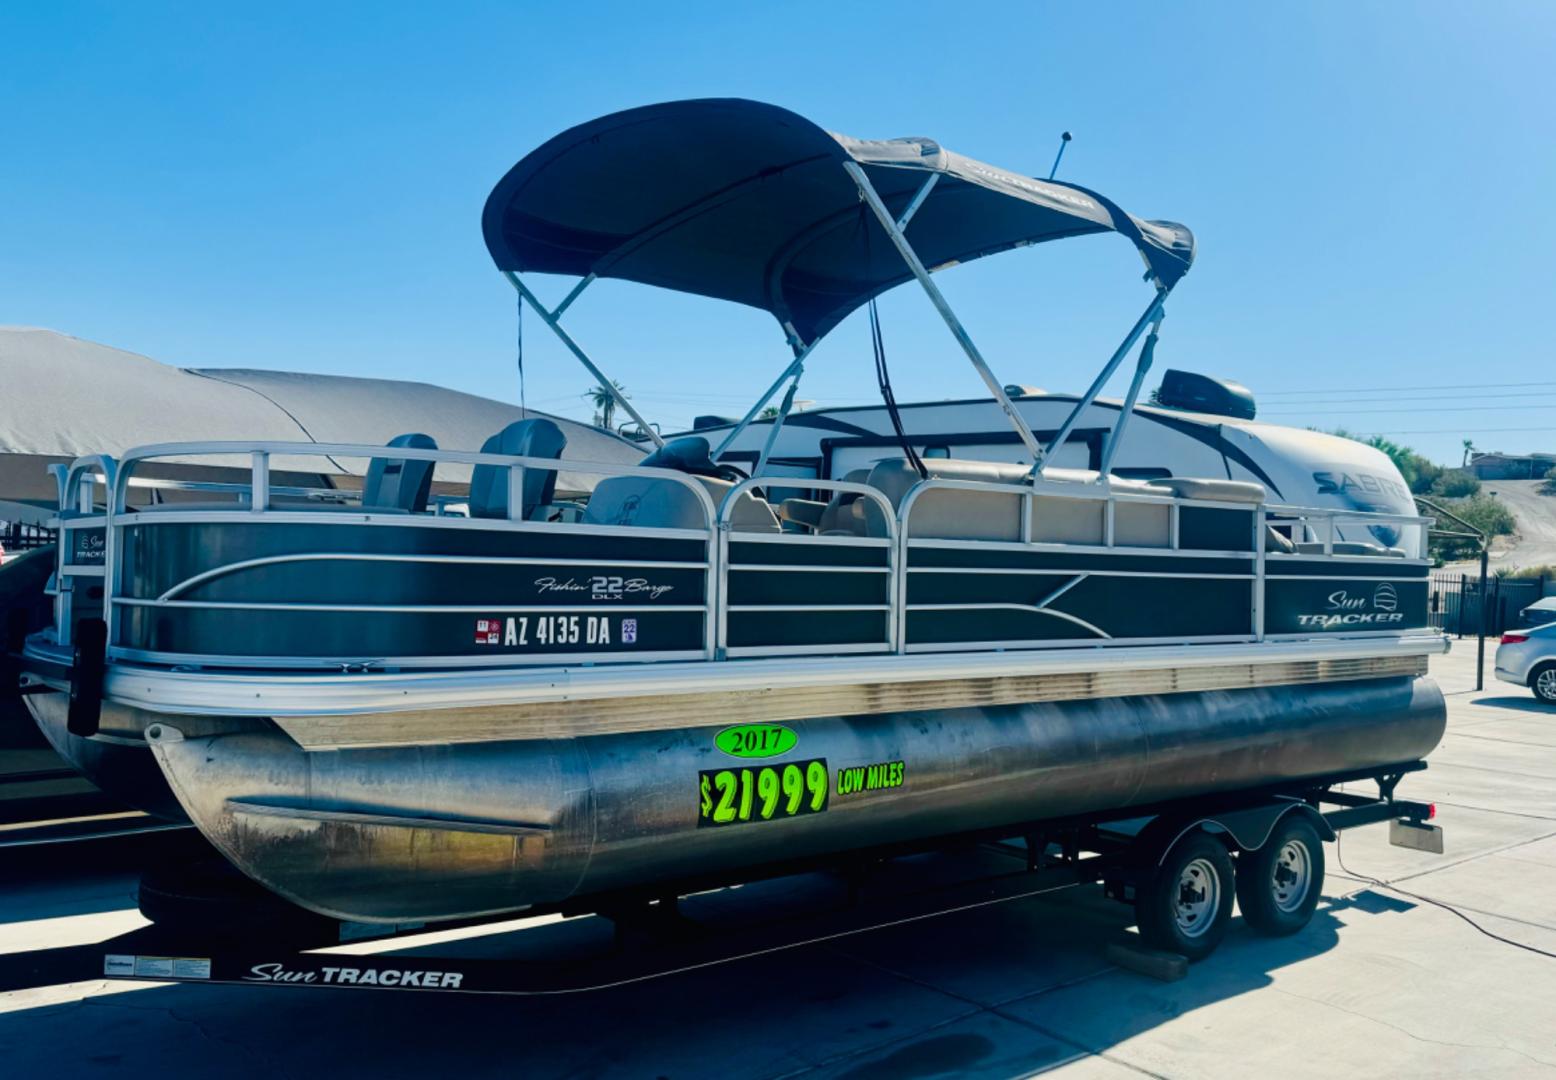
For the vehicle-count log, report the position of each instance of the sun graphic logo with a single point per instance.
(1384, 598)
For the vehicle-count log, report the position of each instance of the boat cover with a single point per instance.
(61, 397)
(749, 202)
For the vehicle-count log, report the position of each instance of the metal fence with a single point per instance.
(17, 536)
(1456, 602)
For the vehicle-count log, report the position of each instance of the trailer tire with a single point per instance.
(1185, 901)
(1279, 884)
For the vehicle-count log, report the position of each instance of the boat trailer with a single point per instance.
(654, 937)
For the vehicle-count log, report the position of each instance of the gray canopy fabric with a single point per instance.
(748, 202)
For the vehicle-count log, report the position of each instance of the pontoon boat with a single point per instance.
(757, 646)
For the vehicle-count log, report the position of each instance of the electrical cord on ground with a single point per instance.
(1340, 858)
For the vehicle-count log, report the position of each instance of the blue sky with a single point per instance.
(299, 187)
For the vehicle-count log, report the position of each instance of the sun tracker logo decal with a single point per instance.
(1384, 598)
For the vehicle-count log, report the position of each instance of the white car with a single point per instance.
(1528, 658)
(1539, 613)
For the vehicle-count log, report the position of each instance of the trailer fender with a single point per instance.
(1245, 829)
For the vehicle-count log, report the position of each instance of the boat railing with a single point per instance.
(987, 569)
(946, 565)
(95, 530)
(770, 578)
(1320, 525)
(261, 455)
(81, 583)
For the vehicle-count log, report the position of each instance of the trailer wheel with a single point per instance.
(1278, 885)
(1185, 902)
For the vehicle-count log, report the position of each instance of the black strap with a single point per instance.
(883, 377)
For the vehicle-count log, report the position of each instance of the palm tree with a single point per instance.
(604, 403)
(1469, 448)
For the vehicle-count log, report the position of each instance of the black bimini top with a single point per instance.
(748, 202)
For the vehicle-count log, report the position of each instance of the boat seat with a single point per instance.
(535, 437)
(396, 484)
(950, 514)
(644, 502)
(1189, 487)
(648, 502)
(751, 512)
(1351, 547)
(895, 477)
(805, 513)
(1274, 541)
(651, 502)
(843, 515)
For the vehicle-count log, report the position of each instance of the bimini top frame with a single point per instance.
(751, 203)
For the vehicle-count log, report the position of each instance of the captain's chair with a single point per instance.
(398, 484)
(650, 502)
(536, 437)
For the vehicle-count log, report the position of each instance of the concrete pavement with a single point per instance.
(1380, 983)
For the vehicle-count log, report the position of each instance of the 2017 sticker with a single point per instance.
(756, 740)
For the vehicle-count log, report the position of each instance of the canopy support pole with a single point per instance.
(567, 301)
(783, 414)
(550, 319)
(1143, 365)
(801, 351)
(918, 201)
(909, 256)
(1152, 314)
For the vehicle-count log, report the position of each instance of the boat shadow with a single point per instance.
(1009, 988)
(1522, 703)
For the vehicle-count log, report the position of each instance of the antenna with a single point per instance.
(1064, 140)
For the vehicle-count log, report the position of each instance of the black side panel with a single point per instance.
(757, 628)
(1319, 566)
(810, 552)
(1344, 605)
(1120, 607)
(506, 607)
(158, 557)
(760, 598)
(1156, 600)
(1205, 528)
(817, 588)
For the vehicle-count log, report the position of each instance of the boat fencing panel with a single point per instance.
(318, 581)
(265, 575)
(807, 592)
(1329, 586)
(1072, 564)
